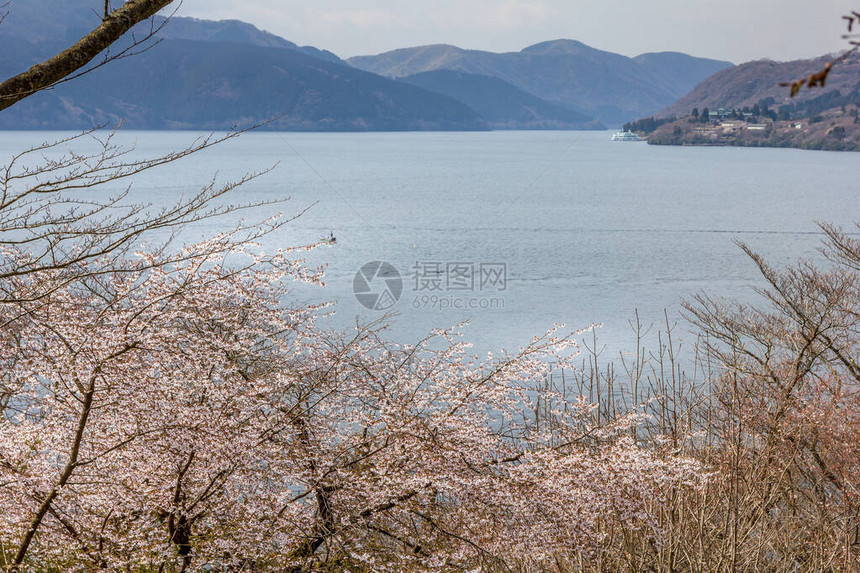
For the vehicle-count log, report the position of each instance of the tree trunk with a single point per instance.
(51, 71)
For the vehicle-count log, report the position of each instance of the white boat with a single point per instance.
(625, 136)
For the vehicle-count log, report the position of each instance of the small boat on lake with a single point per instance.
(330, 240)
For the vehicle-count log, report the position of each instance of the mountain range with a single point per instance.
(608, 86)
(503, 105)
(185, 84)
(214, 75)
(758, 82)
(233, 31)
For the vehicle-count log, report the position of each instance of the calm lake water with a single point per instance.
(520, 230)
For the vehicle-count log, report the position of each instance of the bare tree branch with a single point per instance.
(819, 78)
(53, 207)
(55, 69)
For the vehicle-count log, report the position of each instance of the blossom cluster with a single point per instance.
(175, 415)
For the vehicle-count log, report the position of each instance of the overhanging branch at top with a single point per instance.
(53, 70)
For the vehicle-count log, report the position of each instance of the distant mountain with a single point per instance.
(185, 84)
(230, 31)
(410, 61)
(48, 21)
(209, 75)
(48, 24)
(213, 75)
(747, 107)
(611, 87)
(501, 104)
(753, 82)
(680, 72)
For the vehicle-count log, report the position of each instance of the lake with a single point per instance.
(515, 231)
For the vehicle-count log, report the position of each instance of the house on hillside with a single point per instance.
(720, 113)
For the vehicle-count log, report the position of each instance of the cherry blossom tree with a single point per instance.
(117, 389)
(170, 415)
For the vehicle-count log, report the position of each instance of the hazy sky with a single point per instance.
(736, 30)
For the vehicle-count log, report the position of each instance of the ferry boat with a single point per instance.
(625, 136)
